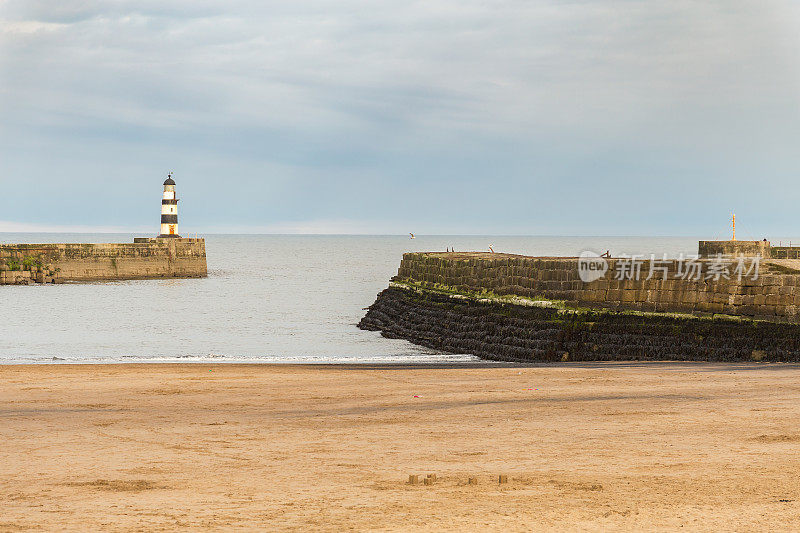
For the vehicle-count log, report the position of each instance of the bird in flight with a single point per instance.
(412, 236)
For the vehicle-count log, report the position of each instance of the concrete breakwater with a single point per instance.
(518, 308)
(142, 259)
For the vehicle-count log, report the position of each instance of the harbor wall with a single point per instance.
(142, 259)
(735, 248)
(774, 294)
(764, 249)
(508, 332)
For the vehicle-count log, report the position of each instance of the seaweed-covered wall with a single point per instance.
(145, 258)
(773, 295)
(508, 332)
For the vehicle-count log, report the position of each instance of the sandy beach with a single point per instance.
(330, 448)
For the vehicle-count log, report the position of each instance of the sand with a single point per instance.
(326, 448)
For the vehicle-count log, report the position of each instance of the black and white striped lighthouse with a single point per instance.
(169, 209)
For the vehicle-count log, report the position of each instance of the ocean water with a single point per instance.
(267, 298)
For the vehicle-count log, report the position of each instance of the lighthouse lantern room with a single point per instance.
(169, 209)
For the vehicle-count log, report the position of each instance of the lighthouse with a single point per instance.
(169, 209)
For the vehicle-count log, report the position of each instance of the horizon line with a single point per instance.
(417, 235)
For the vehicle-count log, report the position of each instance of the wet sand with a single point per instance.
(585, 447)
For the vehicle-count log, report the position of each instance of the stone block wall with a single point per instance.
(735, 248)
(155, 258)
(785, 252)
(774, 295)
(506, 332)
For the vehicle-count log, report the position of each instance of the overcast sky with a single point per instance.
(366, 116)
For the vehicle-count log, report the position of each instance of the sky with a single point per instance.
(521, 117)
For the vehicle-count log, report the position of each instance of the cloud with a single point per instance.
(452, 114)
(17, 227)
(315, 227)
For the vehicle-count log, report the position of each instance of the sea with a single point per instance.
(267, 299)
